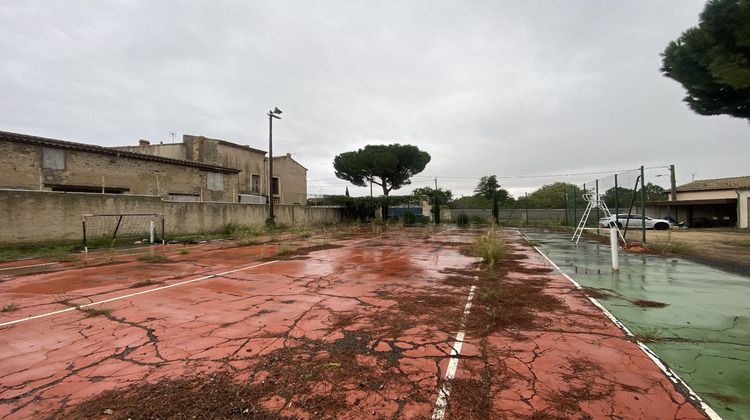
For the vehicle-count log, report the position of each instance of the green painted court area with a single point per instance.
(694, 317)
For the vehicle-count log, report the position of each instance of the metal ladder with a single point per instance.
(594, 201)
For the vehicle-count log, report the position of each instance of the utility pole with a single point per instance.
(274, 113)
(672, 184)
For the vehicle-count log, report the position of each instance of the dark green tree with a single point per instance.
(625, 196)
(712, 60)
(488, 188)
(443, 196)
(552, 196)
(495, 208)
(389, 166)
(655, 193)
(436, 198)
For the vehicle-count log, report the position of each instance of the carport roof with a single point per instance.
(709, 201)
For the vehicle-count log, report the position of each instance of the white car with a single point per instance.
(634, 221)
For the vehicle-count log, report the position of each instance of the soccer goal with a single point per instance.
(112, 230)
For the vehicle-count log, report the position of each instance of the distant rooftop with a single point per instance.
(735, 183)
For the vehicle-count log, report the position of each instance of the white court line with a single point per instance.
(450, 373)
(26, 266)
(671, 375)
(143, 292)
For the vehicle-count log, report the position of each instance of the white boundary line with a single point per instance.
(20, 267)
(671, 375)
(143, 292)
(450, 373)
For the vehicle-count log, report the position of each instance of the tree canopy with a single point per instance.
(488, 188)
(553, 196)
(443, 196)
(390, 166)
(712, 60)
(625, 196)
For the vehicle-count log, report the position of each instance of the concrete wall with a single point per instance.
(514, 216)
(34, 217)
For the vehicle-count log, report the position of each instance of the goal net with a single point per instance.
(112, 230)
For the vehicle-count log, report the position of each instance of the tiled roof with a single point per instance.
(67, 145)
(738, 182)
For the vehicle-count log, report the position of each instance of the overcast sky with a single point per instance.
(517, 89)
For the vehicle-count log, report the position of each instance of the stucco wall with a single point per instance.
(743, 209)
(292, 180)
(172, 151)
(705, 195)
(34, 217)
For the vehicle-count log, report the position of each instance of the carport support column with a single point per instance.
(614, 242)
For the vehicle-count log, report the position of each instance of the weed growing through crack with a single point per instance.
(184, 251)
(144, 283)
(154, 259)
(285, 249)
(490, 248)
(91, 312)
(648, 334)
(9, 307)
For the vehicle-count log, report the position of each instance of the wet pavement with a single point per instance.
(694, 317)
(375, 326)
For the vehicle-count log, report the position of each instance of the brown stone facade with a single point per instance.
(36, 163)
(291, 177)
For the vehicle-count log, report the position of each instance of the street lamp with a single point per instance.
(274, 113)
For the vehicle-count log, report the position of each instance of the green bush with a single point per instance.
(409, 217)
(462, 220)
(490, 248)
(477, 220)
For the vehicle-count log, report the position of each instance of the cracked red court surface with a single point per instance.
(401, 324)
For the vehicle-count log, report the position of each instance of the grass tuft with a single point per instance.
(154, 258)
(9, 307)
(490, 248)
(91, 312)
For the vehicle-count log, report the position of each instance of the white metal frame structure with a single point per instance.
(594, 202)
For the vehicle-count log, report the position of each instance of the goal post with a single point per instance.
(124, 229)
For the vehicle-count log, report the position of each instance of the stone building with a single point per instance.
(38, 163)
(290, 178)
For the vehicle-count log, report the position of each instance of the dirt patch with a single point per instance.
(187, 398)
(503, 302)
(648, 303)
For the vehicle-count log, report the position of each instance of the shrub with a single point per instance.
(409, 217)
(478, 220)
(462, 220)
(490, 248)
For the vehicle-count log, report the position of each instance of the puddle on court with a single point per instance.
(698, 323)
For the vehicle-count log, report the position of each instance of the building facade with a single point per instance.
(289, 177)
(38, 163)
(710, 202)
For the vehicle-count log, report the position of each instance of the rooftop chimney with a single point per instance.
(143, 142)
